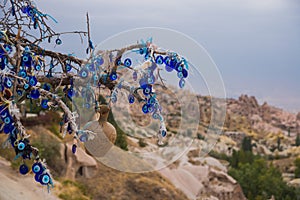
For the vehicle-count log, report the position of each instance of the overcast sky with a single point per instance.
(255, 43)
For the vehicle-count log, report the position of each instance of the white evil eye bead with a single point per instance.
(58, 41)
(21, 146)
(23, 169)
(34, 94)
(83, 73)
(163, 133)
(181, 83)
(68, 67)
(113, 76)
(45, 179)
(127, 62)
(131, 98)
(159, 60)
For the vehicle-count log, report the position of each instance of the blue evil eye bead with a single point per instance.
(151, 100)
(168, 68)
(23, 169)
(118, 62)
(44, 179)
(184, 73)
(46, 86)
(151, 79)
(7, 83)
(179, 74)
(87, 105)
(37, 168)
(8, 128)
(113, 76)
(74, 147)
(127, 62)
(8, 48)
(167, 60)
(37, 177)
(91, 67)
(83, 73)
(7, 120)
(179, 67)
(143, 82)
(147, 90)
(163, 133)
(25, 58)
(37, 67)
(20, 92)
(134, 76)
(114, 98)
(58, 41)
(142, 51)
(83, 138)
(32, 80)
(159, 60)
(99, 61)
(26, 86)
(181, 83)
(21, 146)
(68, 67)
(23, 73)
(131, 98)
(150, 108)
(155, 115)
(44, 104)
(71, 92)
(145, 108)
(35, 94)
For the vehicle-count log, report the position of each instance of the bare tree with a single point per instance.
(29, 71)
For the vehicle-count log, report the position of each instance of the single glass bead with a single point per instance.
(35, 94)
(113, 76)
(181, 83)
(74, 147)
(21, 146)
(83, 73)
(58, 41)
(44, 104)
(44, 179)
(159, 60)
(127, 62)
(23, 169)
(131, 98)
